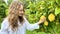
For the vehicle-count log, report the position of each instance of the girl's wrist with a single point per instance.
(39, 22)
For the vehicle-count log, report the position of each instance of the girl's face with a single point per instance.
(21, 11)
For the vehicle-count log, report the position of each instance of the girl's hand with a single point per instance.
(42, 19)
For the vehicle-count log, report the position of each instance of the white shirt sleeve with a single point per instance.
(4, 27)
(31, 26)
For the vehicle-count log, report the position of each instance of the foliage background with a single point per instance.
(34, 9)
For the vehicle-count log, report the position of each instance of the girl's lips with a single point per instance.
(21, 14)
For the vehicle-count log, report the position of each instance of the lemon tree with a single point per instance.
(40, 9)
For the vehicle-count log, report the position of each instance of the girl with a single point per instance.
(15, 22)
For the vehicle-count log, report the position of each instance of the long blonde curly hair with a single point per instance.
(13, 15)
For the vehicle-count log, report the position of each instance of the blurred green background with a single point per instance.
(34, 9)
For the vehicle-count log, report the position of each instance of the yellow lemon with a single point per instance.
(42, 17)
(51, 17)
(46, 23)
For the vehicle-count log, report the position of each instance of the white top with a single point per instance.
(21, 29)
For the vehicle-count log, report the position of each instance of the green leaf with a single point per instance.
(57, 10)
(58, 2)
(6, 11)
(41, 33)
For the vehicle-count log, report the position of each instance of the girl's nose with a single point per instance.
(22, 12)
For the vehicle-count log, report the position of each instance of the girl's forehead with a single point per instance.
(21, 7)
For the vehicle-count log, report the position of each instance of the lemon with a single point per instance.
(46, 23)
(51, 17)
(42, 17)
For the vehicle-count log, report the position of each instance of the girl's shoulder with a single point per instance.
(5, 21)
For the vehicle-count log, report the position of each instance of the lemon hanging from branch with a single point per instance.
(42, 18)
(46, 23)
(51, 17)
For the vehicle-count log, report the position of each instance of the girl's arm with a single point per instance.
(31, 26)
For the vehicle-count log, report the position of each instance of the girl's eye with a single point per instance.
(21, 10)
